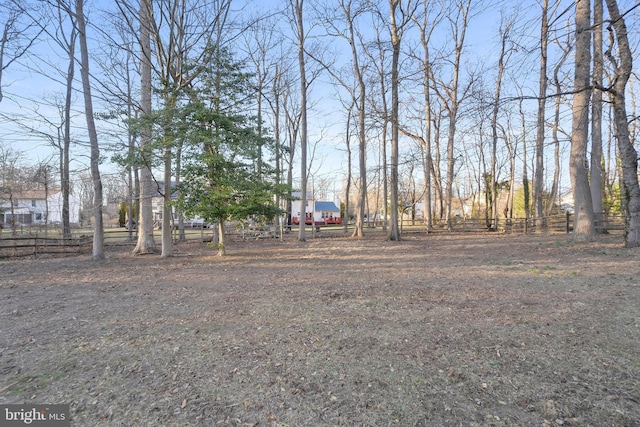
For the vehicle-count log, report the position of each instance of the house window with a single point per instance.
(33, 203)
(38, 217)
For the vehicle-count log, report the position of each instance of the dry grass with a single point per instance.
(481, 330)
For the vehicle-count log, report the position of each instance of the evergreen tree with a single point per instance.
(221, 176)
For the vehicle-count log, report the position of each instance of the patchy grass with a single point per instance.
(484, 330)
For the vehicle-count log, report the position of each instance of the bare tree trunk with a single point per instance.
(146, 243)
(628, 154)
(511, 148)
(222, 250)
(583, 229)
(525, 166)
(538, 177)
(347, 191)
(595, 178)
(292, 146)
(394, 231)
(65, 183)
(385, 168)
(460, 29)
(435, 168)
(297, 5)
(494, 126)
(276, 130)
(98, 227)
(358, 96)
(167, 208)
(425, 37)
(384, 118)
(556, 125)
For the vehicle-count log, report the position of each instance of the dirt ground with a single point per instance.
(435, 330)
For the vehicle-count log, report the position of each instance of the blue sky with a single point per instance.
(32, 95)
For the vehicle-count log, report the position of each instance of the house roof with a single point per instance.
(158, 187)
(34, 194)
(327, 207)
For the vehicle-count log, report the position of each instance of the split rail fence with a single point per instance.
(34, 241)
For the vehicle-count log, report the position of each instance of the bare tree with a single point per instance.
(595, 178)
(17, 35)
(98, 227)
(505, 50)
(178, 32)
(400, 15)
(347, 190)
(556, 125)
(42, 176)
(623, 65)
(583, 228)
(12, 182)
(538, 177)
(451, 94)
(145, 243)
(291, 109)
(525, 166)
(58, 22)
(120, 90)
(65, 177)
(380, 105)
(396, 40)
(426, 30)
(297, 10)
(342, 23)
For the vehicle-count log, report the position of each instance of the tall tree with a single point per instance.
(69, 42)
(595, 178)
(538, 175)
(583, 225)
(556, 126)
(505, 28)
(56, 19)
(426, 30)
(263, 45)
(297, 10)
(379, 101)
(623, 66)
(452, 95)
(146, 243)
(359, 99)
(342, 23)
(223, 182)
(98, 226)
(400, 15)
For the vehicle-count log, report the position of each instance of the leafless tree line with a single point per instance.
(413, 94)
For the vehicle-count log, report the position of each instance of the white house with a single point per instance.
(36, 207)
(55, 208)
(157, 201)
(321, 211)
(157, 206)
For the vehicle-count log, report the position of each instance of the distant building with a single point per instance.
(157, 206)
(317, 212)
(37, 207)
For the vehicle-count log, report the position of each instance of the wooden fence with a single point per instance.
(34, 241)
(34, 245)
(562, 223)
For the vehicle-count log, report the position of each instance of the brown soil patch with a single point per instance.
(474, 330)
